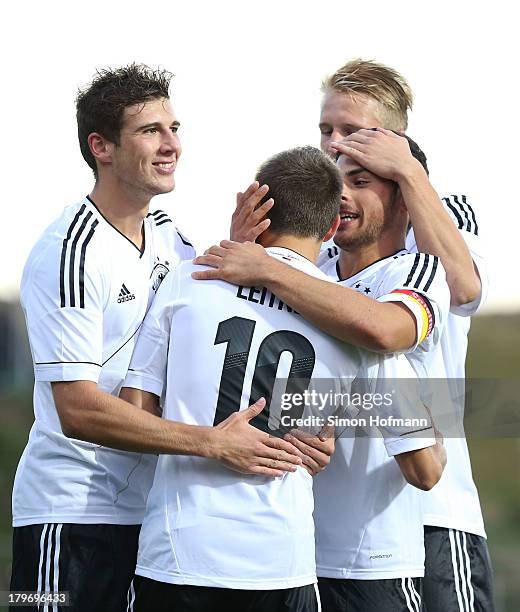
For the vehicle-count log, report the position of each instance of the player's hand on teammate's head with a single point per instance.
(238, 263)
(249, 450)
(381, 152)
(247, 221)
(317, 450)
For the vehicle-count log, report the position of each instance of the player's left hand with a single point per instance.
(317, 450)
(247, 222)
(241, 264)
(380, 151)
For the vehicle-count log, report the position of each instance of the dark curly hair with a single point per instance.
(417, 152)
(100, 106)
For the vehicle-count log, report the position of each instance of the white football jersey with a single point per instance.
(85, 291)
(454, 502)
(220, 347)
(386, 538)
(367, 517)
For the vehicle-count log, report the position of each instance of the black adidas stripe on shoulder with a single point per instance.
(160, 217)
(422, 272)
(332, 252)
(70, 279)
(463, 213)
(184, 240)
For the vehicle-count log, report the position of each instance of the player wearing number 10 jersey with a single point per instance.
(210, 347)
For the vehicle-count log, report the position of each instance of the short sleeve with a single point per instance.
(188, 250)
(62, 296)
(402, 417)
(463, 213)
(148, 365)
(328, 251)
(418, 281)
(465, 216)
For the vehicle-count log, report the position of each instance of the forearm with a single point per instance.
(341, 311)
(423, 468)
(436, 233)
(103, 419)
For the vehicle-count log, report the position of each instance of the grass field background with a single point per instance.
(494, 352)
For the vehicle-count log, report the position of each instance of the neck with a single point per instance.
(308, 247)
(351, 262)
(122, 209)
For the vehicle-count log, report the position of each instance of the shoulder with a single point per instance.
(162, 224)
(64, 244)
(420, 272)
(329, 251)
(463, 212)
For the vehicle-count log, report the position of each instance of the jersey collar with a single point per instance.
(295, 260)
(366, 268)
(141, 253)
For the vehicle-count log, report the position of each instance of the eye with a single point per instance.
(174, 129)
(360, 182)
(325, 130)
(150, 130)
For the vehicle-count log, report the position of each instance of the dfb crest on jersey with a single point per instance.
(159, 271)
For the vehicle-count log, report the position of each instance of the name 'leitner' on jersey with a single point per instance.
(264, 297)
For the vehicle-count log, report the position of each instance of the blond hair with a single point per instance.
(379, 82)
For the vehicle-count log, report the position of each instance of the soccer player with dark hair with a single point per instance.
(81, 484)
(213, 540)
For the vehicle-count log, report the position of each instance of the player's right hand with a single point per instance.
(245, 264)
(247, 222)
(246, 449)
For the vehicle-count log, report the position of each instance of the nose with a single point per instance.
(171, 143)
(335, 136)
(346, 195)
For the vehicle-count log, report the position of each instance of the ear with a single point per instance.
(101, 148)
(399, 201)
(333, 228)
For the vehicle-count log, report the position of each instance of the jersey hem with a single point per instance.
(433, 520)
(348, 574)
(227, 583)
(81, 519)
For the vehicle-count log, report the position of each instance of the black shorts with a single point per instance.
(94, 563)
(386, 595)
(146, 595)
(458, 574)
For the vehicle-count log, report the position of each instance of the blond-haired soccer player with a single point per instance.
(358, 97)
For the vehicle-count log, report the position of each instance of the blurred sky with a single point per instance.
(247, 85)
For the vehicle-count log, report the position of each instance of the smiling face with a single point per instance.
(145, 159)
(370, 206)
(343, 114)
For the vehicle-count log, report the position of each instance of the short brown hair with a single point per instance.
(100, 106)
(379, 82)
(306, 187)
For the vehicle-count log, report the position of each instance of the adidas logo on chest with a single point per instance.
(125, 295)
